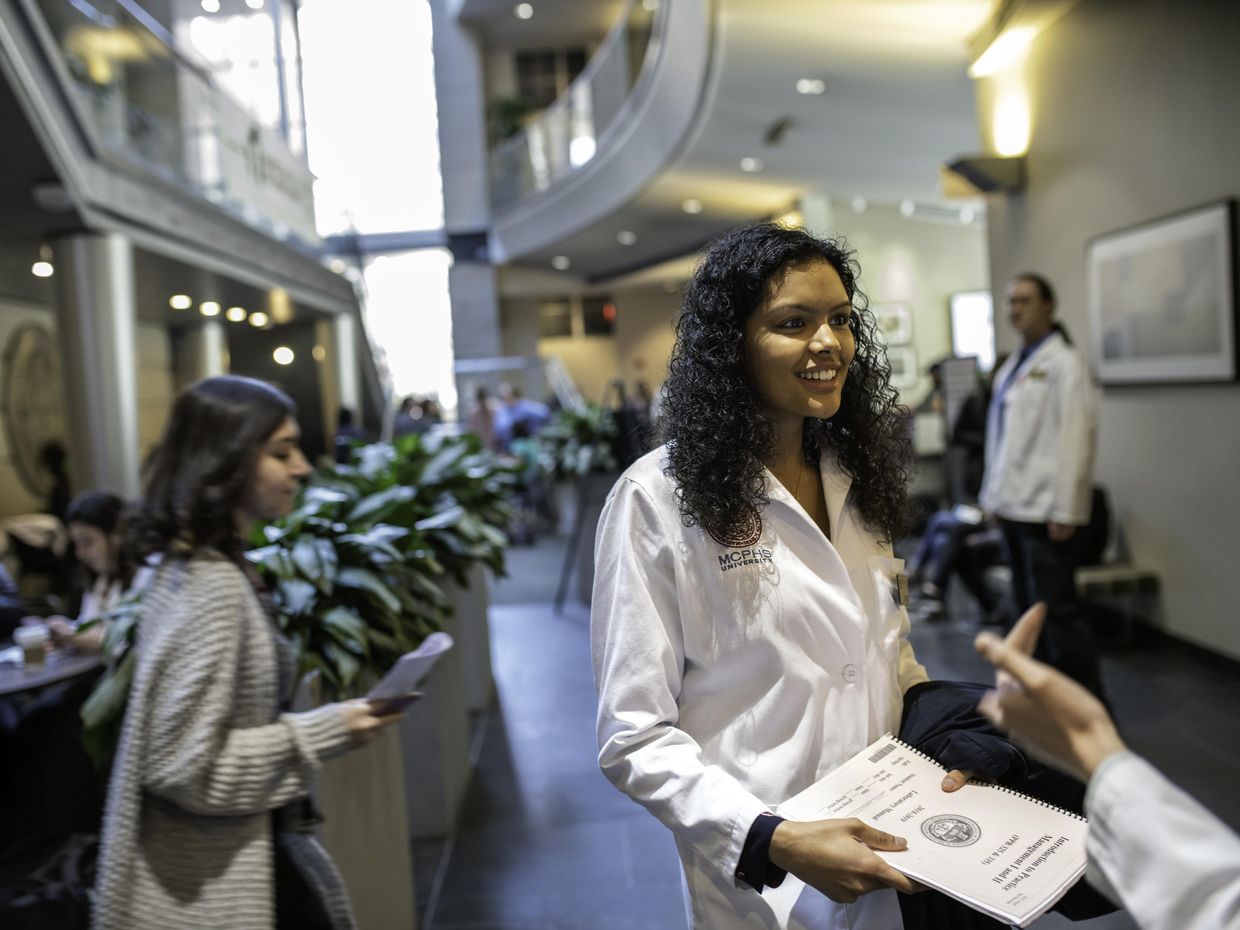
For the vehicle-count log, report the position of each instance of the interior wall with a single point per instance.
(156, 393)
(593, 362)
(1133, 118)
(919, 263)
(644, 334)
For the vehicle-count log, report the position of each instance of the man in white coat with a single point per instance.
(1040, 441)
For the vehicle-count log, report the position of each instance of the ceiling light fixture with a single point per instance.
(319, 352)
(561, 263)
(236, 314)
(259, 319)
(283, 355)
(254, 4)
(209, 308)
(42, 269)
(811, 87)
(180, 301)
(751, 165)
(523, 10)
(692, 205)
(1008, 48)
(626, 237)
(907, 208)
(211, 6)
(337, 265)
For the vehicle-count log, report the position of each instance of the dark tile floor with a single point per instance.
(545, 843)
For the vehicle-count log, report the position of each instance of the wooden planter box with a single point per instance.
(434, 744)
(470, 628)
(362, 796)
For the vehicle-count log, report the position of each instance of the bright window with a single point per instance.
(371, 118)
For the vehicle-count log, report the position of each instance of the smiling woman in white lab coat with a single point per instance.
(746, 638)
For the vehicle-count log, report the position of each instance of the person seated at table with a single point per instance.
(94, 520)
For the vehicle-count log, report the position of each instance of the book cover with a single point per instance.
(1000, 852)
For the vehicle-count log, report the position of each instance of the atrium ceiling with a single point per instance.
(895, 105)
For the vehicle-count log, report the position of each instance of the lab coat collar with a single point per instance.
(835, 485)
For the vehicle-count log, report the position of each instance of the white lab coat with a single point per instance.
(731, 678)
(1152, 848)
(1040, 447)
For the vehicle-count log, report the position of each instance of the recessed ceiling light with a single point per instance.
(907, 207)
(180, 302)
(752, 164)
(258, 318)
(283, 355)
(561, 263)
(209, 308)
(337, 265)
(211, 6)
(626, 237)
(236, 314)
(692, 205)
(859, 204)
(42, 269)
(811, 86)
(254, 4)
(523, 10)
(319, 352)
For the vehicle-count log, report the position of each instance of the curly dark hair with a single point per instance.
(199, 473)
(718, 435)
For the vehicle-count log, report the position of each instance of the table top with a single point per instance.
(60, 665)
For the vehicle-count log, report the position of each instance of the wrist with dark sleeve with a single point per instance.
(755, 868)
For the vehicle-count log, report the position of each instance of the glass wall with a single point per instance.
(372, 142)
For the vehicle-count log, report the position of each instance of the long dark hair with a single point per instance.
(197, 476)
(105, 512)
(718, 435)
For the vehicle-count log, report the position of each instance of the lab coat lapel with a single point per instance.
(835, 484)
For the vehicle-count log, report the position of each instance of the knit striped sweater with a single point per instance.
(204, 757)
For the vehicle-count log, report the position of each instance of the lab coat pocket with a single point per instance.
(890, 597)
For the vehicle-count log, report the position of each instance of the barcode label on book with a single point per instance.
(890, 748)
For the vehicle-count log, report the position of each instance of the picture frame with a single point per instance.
(904, 370)
(895, 322)
(1162, 299)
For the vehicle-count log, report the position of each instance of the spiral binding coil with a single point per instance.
(989, 784)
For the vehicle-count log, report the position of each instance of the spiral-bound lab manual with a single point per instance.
(1001, 852)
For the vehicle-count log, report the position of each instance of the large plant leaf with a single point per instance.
(362, 580)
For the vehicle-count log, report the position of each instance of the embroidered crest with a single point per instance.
(747, 532)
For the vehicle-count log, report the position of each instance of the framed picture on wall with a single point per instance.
(895, 322)
(1162, 303)
(904, 371)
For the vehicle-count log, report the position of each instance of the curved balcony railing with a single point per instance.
(566, 135)
(147, 102)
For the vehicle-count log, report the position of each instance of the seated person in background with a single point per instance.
(348, 434)
(94, 523)
(12, 607)
(1151, 847)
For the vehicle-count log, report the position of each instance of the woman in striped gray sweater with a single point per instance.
(209, 769)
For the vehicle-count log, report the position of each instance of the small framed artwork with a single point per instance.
(895, 322)
(904, 371)
(1162, 301)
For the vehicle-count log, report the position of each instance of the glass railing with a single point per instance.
(152, 105)
(565, 136)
